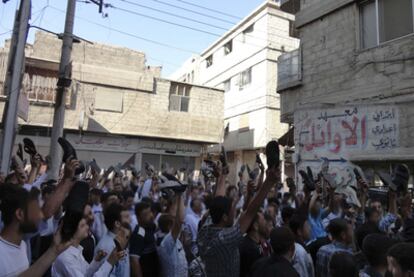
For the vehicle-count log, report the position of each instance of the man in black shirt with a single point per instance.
(279, 263)
(251, 246)
(142, 249)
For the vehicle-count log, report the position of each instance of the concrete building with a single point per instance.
(118, 107)
(349, 90)
(243, 62)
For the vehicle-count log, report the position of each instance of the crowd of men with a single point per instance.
(120, 222)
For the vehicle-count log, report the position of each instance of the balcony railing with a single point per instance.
(289, 70)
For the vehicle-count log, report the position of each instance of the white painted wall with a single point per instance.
(258, 50)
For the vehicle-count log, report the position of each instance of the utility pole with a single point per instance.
(63, 84)
(15, 70)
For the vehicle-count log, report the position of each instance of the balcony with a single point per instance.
(289, 70)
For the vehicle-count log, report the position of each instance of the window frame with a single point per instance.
(228, 47)
(175, 93)
(227, 88)
(241, 84)
(209, 61)
(377, 24)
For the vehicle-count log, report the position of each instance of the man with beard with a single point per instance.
(21, 214)
(251, 246)
(143, 251)
(117, 222)
(88, 243)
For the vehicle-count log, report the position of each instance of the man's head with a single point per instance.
(19, 207)
(95, 196)
(88, 215)
(377, 205)
(287, 213)
(144, 214)
(342, 264)
(128, 199)
(109, 198)
(401, 260)
(282, 241)
(115, 215)
(221, 211)
(196, 206)
(375, 248)
(231, 192)
(372, 215)
(259, 226)
(340, 231)
(316, 209)
(118, 188)
(300, 226)
(165, 222)
(74, 226)
(47, 192)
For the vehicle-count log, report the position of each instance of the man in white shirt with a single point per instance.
(192, 219)
(171, 251)
(21, 214)
(116, 219)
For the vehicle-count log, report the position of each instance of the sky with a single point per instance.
(129, 19)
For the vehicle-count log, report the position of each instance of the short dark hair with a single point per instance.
(369, 212)
(105, 196)
(165, 222)
(403, 253)
(282, 240)
(336, 227)
(140, 207)
(112, 214)
(70, 224)
(273, 200)
(12, 198)
(219, 206)
(343, 264)
(194, 200)
(127, 194)
(296, 222)
(287, 213)
(96, 191)
(375, 248)
(363, 231)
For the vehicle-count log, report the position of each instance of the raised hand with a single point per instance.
(70, 168)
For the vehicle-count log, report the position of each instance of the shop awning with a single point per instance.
(288, 138)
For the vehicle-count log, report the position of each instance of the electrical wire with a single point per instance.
(175, 15)
(130, 34)
(165, 21)
(192, 11)
(209, 9)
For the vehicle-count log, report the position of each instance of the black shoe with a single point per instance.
(272, 154)
(94, 165)
(69, 154)
(170, 182)
(29, 147)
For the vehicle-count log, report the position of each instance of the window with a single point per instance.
(245, 78)
(227, 85)
(247, 32)
(384, 20)
(209, 61)
(228, 47)
(179, 97)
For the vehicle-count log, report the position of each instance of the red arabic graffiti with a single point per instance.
(334, 133)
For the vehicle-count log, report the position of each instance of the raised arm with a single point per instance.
(62, 190)
(179, 217)
(273, 176)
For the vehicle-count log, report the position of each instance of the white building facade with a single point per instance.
(243, 63)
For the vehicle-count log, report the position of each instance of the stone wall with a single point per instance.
(136, 99)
